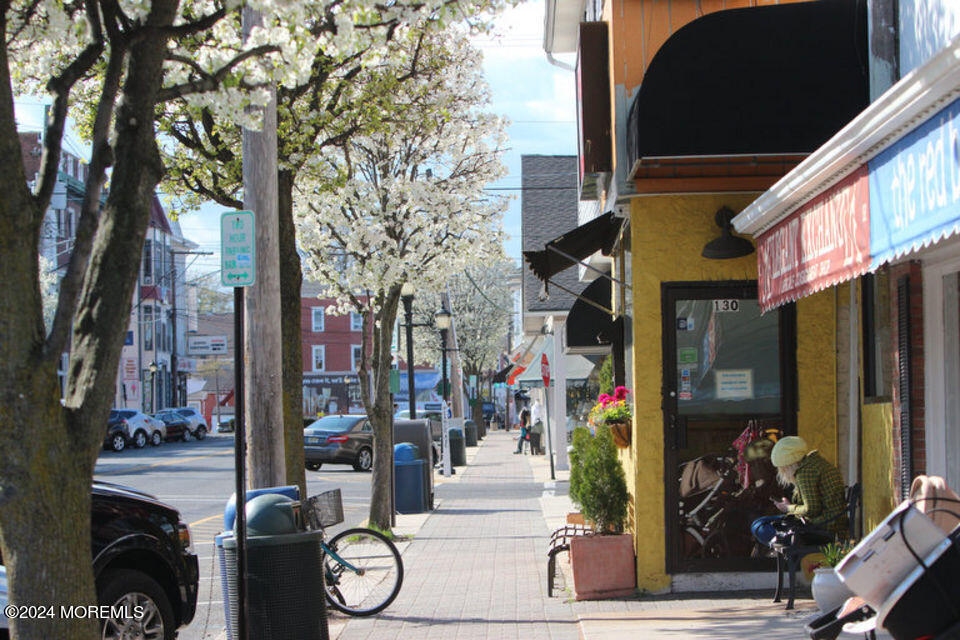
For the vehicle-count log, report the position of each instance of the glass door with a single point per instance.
(728, 394)
(951, 378)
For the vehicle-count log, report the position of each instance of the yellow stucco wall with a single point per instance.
(667, 234)
(876, 456)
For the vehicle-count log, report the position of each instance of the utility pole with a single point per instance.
(263, 390)
(456, 373)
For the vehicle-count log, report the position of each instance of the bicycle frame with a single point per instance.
(333, 554)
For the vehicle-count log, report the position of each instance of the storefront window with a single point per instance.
(951, 376)
(728, 358)
(581, 396)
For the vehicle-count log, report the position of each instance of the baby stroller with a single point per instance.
(705, 485)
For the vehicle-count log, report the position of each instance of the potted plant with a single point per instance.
(828, 591)
(603, 563)
(615, 412)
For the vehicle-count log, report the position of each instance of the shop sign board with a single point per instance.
(823, 243)
(206, 345)
(915, 188)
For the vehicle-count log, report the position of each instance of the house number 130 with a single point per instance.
(726, 305)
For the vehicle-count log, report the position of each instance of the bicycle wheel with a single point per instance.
(378, 576)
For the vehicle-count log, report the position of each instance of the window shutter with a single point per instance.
(904, 365)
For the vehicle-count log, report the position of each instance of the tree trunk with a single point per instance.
(291, 277)
(49, 450)
(380, 409)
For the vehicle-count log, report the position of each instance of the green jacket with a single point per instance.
(819, 495)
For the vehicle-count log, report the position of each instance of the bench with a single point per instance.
(559, 542)
(791, 552)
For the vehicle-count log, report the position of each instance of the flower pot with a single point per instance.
(828, 590)
(621, 433)
(603, 566)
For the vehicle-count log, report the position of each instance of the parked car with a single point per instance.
(138, 428)
(197, 424)
(178, 427)
(116, 438)
(227, 425)
(339, 440)
(141, 554)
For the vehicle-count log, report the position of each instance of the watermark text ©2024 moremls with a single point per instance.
(73, 612)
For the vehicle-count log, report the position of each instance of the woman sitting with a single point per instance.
(817, 510)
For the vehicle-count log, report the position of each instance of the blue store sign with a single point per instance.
(915, 188)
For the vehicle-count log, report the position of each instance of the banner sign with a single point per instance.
(825, 242)
(915, 188)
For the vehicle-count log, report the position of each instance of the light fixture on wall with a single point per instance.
(727, 245)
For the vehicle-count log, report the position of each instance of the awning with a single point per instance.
(904, 198)
(530, 376)
(590, 330)
(756, 81)
(522, 357)
(600, 234)
(575, 367)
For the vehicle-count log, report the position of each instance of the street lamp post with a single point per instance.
(153, 387)
(443, 318)
(406, 295)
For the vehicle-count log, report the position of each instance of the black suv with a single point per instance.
(141, 556)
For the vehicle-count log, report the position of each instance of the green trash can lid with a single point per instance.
(270, 514)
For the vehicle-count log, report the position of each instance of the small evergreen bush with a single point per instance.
(580, 441)
(601, 487)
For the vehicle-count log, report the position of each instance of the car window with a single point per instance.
(335, 423)
(185, 412)
(366, 427)
(126, 415)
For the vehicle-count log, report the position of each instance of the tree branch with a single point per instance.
(211, 81)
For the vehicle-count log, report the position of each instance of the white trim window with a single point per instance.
(319, 357)
(317, 318)
(356, 355)
(356, 321)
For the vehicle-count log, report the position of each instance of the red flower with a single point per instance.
(620, 393)
(605, 399)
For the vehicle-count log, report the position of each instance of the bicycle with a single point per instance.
(363, 571)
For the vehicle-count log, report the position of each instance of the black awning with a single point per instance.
(501, 376)
(764, 80)
(590, 330)
(600, 234)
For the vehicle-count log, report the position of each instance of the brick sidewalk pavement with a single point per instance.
(477, 568)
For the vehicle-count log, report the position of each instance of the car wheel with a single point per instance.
(129, 589)
(118, 442)
(200, 433)
(156, 439)
(314, 466)
(140, 439)
(187, 436)
(364, 461)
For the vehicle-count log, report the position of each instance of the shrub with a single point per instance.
(580, 441)
(601, 487)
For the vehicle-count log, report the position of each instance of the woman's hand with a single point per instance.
(783, 505)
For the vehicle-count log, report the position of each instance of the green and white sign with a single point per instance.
(238, 249)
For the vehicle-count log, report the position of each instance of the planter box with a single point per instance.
(575, 518)
(603, 566)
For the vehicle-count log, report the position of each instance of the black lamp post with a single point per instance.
(153, 387)
(406, 295)
(443, 318)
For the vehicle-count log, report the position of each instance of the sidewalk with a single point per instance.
(477, 567)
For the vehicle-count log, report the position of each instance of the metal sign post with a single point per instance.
(237, 270)
(545, 374)
(445, 438)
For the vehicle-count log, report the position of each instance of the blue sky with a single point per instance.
(537, 97)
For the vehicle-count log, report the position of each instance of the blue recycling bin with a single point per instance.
(408, 468)
(292, 491)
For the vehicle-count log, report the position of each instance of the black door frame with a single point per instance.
(670, 292)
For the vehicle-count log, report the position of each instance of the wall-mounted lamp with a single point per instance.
(727, 245)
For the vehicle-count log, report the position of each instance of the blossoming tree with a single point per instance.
(408, 205)
(109, 64)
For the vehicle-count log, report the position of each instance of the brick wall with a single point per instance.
(336, 336)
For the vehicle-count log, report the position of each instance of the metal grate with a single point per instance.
(323, 510)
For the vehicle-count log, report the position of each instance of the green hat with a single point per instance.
(788, 450)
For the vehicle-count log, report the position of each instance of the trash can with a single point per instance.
(482, 429)
(292, 491)
(409, 496)
(470, 433)
(458, 449)
(285, 589)
(419, 433)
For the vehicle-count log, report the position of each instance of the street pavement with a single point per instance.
(197, 478)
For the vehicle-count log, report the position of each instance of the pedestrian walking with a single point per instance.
(524, 427)
(536, 428)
